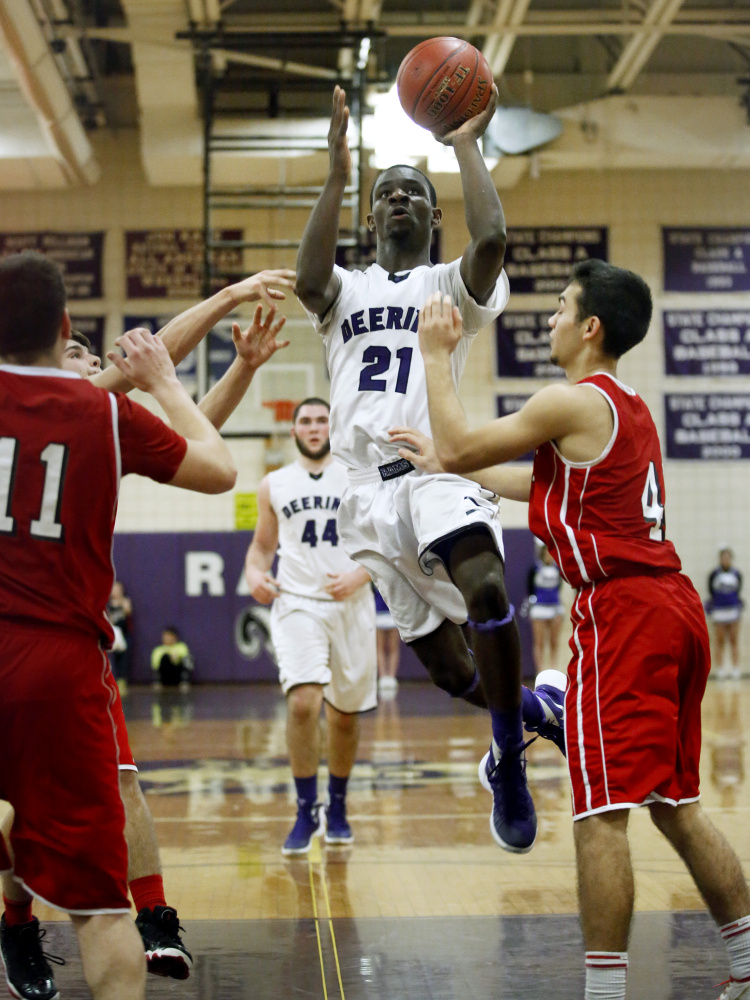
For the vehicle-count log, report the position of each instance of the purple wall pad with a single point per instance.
(191, 579)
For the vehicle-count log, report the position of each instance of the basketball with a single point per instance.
(442, 82)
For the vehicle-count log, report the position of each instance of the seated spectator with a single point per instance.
(172, 662)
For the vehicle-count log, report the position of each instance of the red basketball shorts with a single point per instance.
(635, 685)
(127, 763)
(58, 769)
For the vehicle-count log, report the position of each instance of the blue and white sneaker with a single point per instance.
(513, 818)
(310, 822)
(338, 830)
(550, 690)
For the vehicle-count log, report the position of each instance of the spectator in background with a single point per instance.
(120, 614)
(172, 662)
(725, 605)
(389, 647)
(545, 610)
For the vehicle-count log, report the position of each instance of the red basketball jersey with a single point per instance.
(64, 444)
(605, 518)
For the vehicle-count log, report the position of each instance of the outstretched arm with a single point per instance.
(482, 260)
(182, 334)
(207, 466)
(551, 414)
(511, 482)
(254, 347)
(317, 284)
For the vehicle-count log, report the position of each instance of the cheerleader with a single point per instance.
(725, 604)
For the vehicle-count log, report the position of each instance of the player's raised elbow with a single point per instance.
(225, 479)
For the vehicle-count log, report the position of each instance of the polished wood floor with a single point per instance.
(423, 868)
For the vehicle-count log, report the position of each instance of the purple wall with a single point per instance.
(191, 580)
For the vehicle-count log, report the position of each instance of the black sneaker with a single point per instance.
(166, 955)
(27, 967)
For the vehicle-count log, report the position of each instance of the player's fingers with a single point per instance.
(412, 456)
(279, 345)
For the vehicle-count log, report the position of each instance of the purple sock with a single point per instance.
(336, 786)
(531, 708)
(507, 727)
(307, 790)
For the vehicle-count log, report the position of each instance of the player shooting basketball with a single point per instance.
(432, 543)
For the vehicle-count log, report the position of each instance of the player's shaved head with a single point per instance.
(32, 304)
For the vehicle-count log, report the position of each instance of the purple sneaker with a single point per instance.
(513, 819)
(310, 822)
(338, 830)
(550, 690)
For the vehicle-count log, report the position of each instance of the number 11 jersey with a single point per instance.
(372, 350)
(605, 518)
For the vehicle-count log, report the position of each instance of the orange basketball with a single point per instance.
(443, 82)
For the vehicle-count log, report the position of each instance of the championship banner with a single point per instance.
(168, 263)
(508, 404)
(78, 255)
(707, 341)
(708, 426)
(539, 260)
(706, 260)
(522, 340)
(93, 328)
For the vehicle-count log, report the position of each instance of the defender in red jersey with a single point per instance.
(640, 654)
(64, 445)
(157, 922)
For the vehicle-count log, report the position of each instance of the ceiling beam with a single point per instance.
(640, 47)
(499, 44)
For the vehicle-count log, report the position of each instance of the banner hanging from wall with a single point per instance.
(507, 404)
(707, 341)
(522, 340)
(539, 260)
(168, 263)
(706, 259)
(708, 426)
(93, 328)
(78, 255)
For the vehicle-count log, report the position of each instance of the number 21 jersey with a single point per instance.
(372, 349)
(605, 518)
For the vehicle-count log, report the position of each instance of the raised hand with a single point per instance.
(258, 342)
(473, 127)
(146, 363)
(440, 325)
(266, 285)
(421, 451)
(340, 160)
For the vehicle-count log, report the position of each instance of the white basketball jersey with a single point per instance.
(372, 349)
(305, 505)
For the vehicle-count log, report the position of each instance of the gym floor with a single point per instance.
(423, 904)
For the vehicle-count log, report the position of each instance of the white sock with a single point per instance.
(606, 974)
(737, 940)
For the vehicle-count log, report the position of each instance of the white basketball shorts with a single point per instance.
(331, 643)
(391, 528)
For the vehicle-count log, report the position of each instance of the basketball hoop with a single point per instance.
(283, 409)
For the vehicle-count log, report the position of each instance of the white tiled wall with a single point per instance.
(706, 502)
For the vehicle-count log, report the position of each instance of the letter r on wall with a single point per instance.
(204, 569)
